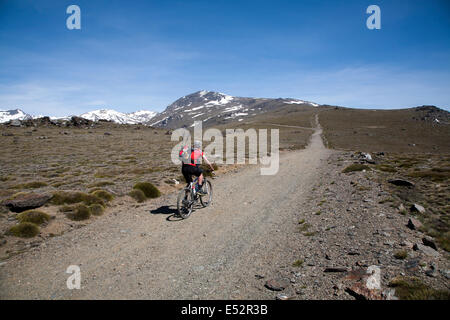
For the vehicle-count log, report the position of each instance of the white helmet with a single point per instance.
(197, 144)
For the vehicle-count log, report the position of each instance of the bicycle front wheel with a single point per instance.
(185, 204)
(206, 199)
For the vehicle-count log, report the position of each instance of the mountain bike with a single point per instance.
(188, 197)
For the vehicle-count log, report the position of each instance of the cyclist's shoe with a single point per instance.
(201, 193)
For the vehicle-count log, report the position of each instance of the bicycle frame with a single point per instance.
(185, 201)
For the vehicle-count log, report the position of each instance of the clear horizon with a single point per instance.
(137, 110)
(146, 55)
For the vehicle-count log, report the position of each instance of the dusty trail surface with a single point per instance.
(147, 253)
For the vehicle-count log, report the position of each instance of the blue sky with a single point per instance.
(132, 55)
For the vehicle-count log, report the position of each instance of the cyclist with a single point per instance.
(193, 168)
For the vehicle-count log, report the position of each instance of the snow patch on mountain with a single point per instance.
(141, 116)
(16, 114)
(294, 101)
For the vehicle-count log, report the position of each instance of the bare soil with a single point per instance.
(292, 226)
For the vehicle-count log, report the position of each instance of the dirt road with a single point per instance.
(147, 253)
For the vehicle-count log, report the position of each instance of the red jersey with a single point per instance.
(196, 157)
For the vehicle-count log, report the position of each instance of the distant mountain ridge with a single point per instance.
(212, 108)
(15, 114)
(216, 107)
(142, 116)
(208, 106)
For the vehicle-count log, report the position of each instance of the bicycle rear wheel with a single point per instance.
(185, 203)
(206, 200)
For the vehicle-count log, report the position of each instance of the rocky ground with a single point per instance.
(347, 224)
(310, 232)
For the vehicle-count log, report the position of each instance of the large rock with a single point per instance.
(366, 284)
(79, 122)
(335, 269)
(27, 201)
(412, 265)
(417, 208)
(15, 123)
(414, 224)
(429, 242)
(426, 250)
(277, 284)
(401, 182)
(361, 292)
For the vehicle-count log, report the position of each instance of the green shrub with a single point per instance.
(24, 230)
(79, 212)
(148, 189)
(96, 209)
(62, 197)
(356, 167)
(138, 195)
(34, 216)
(102, 194)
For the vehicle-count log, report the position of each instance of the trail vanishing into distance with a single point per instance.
(145, 252)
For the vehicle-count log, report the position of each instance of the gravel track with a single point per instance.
(147, 253)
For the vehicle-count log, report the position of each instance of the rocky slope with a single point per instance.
(214, 108)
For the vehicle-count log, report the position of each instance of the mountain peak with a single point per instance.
(217, 108)
(13, 114)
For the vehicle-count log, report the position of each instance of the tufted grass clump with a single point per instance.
(64, 197)
(356, 167)
(24, 230)
(34, 216)
(149, 190)
(96, 209)
(101, 184)
(386, 168)
(304, 227)
(137, 195)
(435, 174)
(92, 190)
(411, 288)
(102, 194)
(31, 185)
(77, 212)
(298, 263)
(401, 254)
(16, 195)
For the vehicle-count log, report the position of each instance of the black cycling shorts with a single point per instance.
(188, 171)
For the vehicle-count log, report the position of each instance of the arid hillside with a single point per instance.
(414, 130)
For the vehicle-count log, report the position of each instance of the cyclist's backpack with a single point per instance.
(185, 154)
